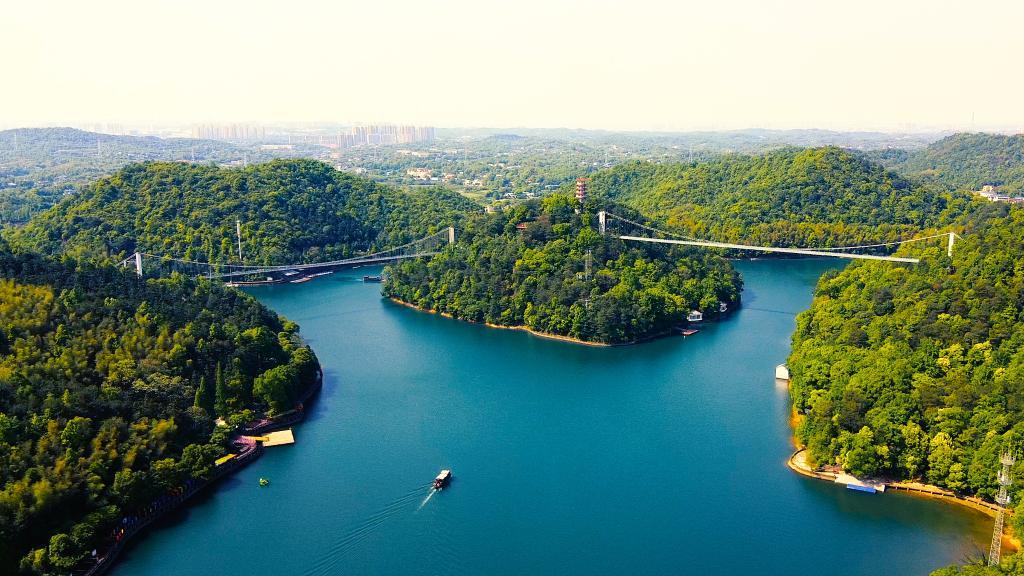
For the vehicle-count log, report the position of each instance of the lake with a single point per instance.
(661, 458)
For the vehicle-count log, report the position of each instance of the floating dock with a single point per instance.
(279, 438)
(225, 459)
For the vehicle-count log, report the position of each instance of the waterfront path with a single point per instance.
(249, 451)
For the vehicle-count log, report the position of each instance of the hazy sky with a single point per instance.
(637, 64)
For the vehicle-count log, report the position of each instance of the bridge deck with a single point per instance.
(806, 252)
(314, 266)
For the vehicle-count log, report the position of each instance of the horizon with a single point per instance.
(161, 130)
(908, 68)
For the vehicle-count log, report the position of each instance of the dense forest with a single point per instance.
(823, 197)
(917, 371)
(527, 266)
(966, 162)
(109, 387)
(291, 211)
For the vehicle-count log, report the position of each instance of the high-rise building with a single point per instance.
(385, 134)
(233, 132)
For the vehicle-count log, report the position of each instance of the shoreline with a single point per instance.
(544, 335)
(797, 463)
(531, 331)
(248, 452)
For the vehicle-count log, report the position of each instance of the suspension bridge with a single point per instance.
(426, 246)
(432, 245)
(662, 237)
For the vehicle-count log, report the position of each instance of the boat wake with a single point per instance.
(427, 499)
(335, 552)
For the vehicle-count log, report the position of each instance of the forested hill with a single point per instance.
(39, 165)
(109, 387)
(291, 210)
(918, 371)
(967, 162)
(796, 197)
(527, 266)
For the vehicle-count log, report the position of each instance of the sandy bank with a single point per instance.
(798, 463)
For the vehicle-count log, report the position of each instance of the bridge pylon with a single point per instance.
(136, 260)
(601, 221)
(451, 234)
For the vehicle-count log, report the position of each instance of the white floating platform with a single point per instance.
(860, 485)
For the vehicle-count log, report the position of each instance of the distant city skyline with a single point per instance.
(909, 66)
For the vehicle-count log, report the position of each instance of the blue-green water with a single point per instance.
(663, 458)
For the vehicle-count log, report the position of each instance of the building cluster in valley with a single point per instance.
(379, 134)
(992, 194)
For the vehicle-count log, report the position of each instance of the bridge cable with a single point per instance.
(692, 239)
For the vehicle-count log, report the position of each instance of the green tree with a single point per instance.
(77, 433)
(274, 385)
(63, 552)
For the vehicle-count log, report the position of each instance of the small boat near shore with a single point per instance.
(443, 479)
(690, 331)
(373, 278)
(782, 373)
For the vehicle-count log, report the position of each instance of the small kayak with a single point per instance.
(264, 482)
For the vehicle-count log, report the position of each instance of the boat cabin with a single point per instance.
(442, 479)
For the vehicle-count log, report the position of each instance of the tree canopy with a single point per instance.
(966, 162)
(527, 266)
(109, 387)
(820, 197)
(290, 210)
(917, 371)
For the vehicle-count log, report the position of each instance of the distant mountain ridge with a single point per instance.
(29, 138)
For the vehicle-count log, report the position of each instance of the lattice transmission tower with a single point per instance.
(995, 549)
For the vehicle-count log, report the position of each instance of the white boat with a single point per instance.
(782, 372)
(442, 479)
